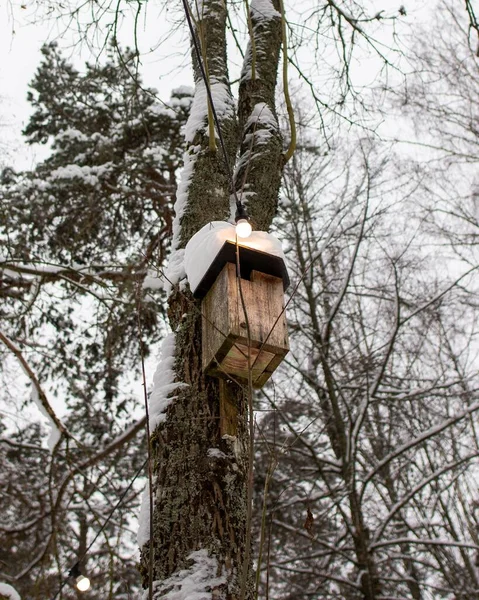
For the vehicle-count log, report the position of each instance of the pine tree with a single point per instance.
(83, 236)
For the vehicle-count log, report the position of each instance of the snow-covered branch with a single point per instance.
(39, 396)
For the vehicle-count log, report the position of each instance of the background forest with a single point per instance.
(367, 437)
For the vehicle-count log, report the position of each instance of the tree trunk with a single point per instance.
(200, 494)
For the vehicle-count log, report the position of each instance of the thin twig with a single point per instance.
(292, 144)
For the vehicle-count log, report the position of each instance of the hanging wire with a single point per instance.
(249, 508)
(120, 500)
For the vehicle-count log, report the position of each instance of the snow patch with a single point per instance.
(203, 247)
(157, 153)
(246, 71)
(175, 271)
(161, 111)
(263, 10)
(260, 11)
(199, 9)
(183, 90)
(143, 535)
(189, 161)
(243, 196)
(198, 118)
(163, 383)
(261, 124)
(55, 433)
(215, 453)
(152, 281)
(37, 183)
(262, 115)
(195, 583)
(73, 134)
(8, 591)
(90, 175)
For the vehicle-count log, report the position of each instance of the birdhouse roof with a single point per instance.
(215, 244)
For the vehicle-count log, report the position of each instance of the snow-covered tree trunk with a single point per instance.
(200, 475)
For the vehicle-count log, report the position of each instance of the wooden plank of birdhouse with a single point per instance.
(236, 361)
(264, 301)
(215, 323)
(270, 369)
(228, 410)
(263, 298)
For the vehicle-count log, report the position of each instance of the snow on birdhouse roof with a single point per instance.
(205, 246)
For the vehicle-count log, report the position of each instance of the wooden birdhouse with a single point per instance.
(227, 351)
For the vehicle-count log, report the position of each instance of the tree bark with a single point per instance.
(260, 164)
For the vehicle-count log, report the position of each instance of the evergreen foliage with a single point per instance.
(79, 235)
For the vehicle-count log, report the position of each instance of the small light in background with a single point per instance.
(82, 583)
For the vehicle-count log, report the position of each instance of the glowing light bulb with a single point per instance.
(243, 228)
(82, 583)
